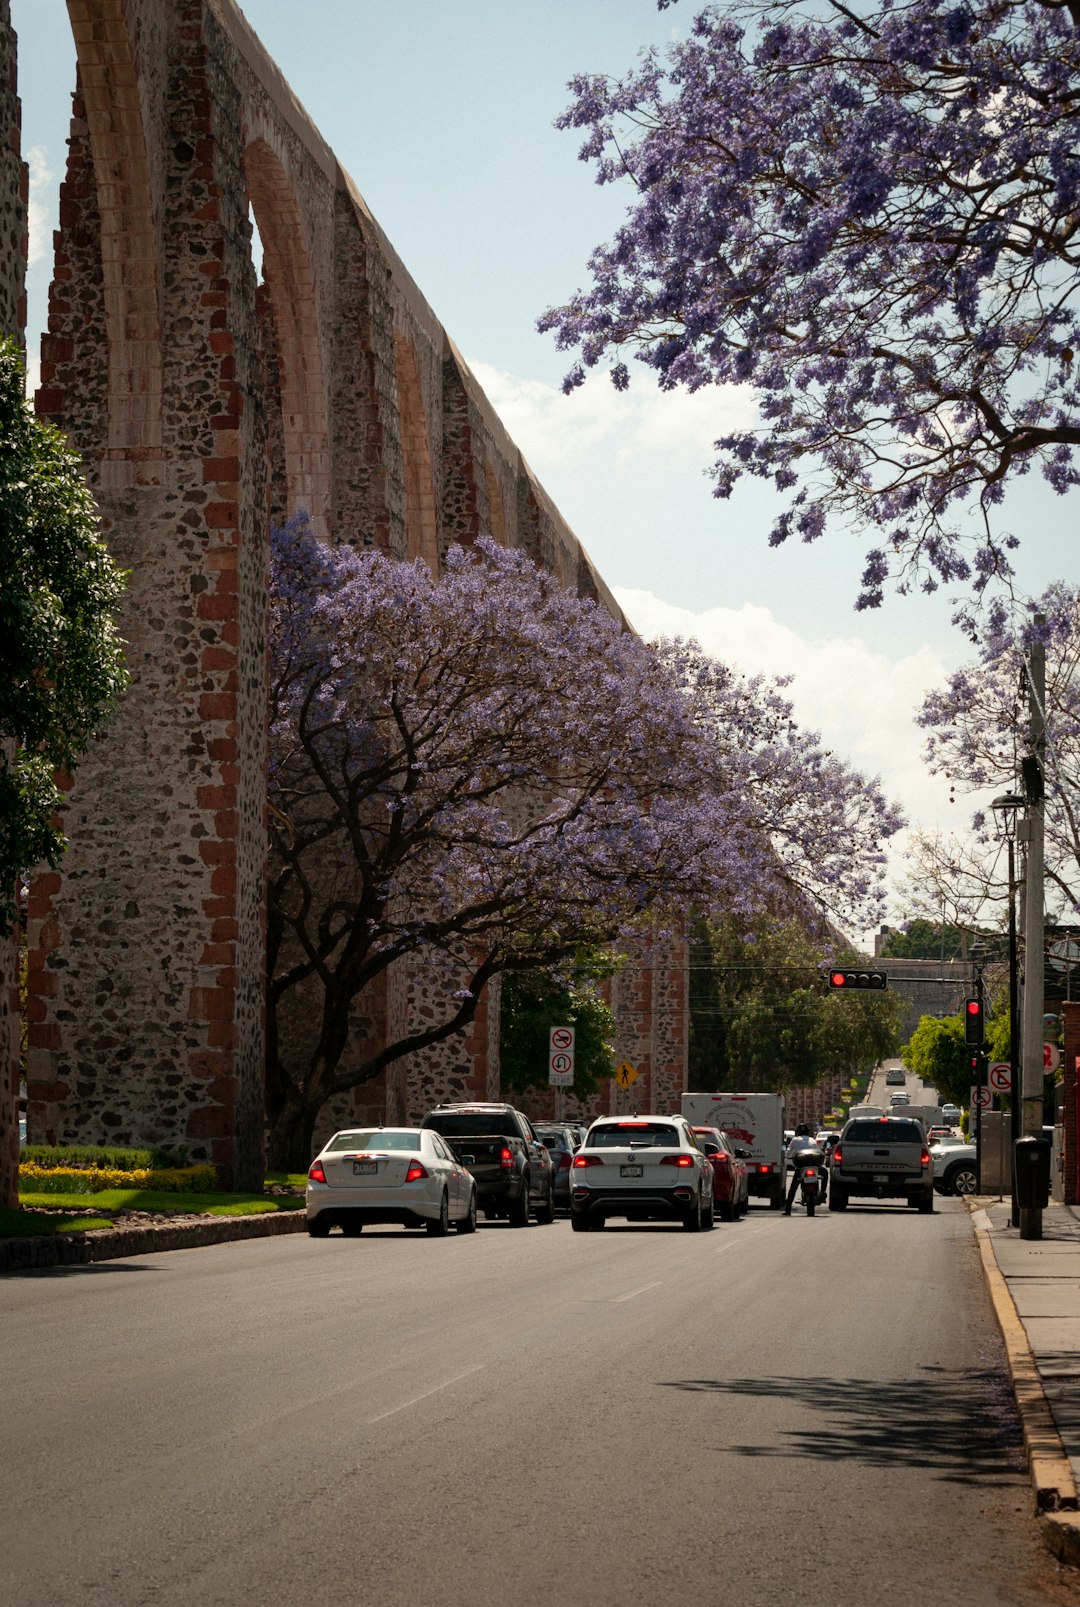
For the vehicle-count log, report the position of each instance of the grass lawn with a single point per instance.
(287, 1180)
(113, 1200)
(31, 1224)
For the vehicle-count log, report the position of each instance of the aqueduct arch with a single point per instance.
(190, 399)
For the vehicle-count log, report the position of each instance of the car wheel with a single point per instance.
(926, 1204)
(352, 1230)
(519, 1208)
(692, 1221)
(468, 1221)
(546, 1212)
(837, 1199)
(710, 1216)
(727, 1211)
(961, 1180)
(318, 1228)
(440, 1226)
(579, 1222)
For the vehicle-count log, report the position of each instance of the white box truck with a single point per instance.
(756, 1123)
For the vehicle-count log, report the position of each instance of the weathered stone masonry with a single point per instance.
(200, 401)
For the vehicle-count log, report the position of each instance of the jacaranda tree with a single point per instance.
(473, 774)
(870, 215)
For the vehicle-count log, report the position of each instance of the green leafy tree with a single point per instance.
(61, 658)
(535, 1001)
(920, 939)
(760, 1018)
(938, 1054)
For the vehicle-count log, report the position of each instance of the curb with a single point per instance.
(1051, 1470)
(109, 1244)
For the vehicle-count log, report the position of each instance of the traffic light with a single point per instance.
(977, 1063)
(974, 1026)
(850, 981)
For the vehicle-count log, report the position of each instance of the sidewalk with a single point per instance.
(1035, 1287)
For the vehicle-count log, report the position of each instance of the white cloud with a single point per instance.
(42, 202)
(553, 429)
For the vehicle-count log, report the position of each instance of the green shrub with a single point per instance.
(102, 1156)
(94, 1179)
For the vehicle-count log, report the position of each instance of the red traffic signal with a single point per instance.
(974, 1025)
(850, 981)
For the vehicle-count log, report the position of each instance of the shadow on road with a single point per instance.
(957, 1425)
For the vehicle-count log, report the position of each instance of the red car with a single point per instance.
(730, 1189)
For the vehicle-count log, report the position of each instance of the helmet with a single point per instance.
(802, 1131)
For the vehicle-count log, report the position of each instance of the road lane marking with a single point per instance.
(478, 1368)
(618, 1300)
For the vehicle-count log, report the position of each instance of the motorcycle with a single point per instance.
(812, 1180)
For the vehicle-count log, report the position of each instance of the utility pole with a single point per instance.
(1031, 832)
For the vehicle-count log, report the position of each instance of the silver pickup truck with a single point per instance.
(883, 1158)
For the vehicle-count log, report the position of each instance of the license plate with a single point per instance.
(365, 1168)
(881, 1177)
(630, 1171)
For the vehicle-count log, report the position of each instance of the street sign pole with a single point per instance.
(1034, 918)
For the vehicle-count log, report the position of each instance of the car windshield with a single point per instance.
(552, 1140)
(652, 1135)
(475, 1124)
(379, 1138)
(883, 1132)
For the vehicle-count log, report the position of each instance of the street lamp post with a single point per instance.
(1006, 807)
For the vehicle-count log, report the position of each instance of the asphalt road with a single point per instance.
(782, 1411)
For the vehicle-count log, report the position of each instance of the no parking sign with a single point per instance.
(999, 1077)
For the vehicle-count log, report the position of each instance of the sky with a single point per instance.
(442, 111)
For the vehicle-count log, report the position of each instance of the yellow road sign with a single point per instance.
(625, 1074)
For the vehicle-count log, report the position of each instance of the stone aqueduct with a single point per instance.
(203, 400)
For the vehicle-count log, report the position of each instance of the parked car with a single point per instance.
(954, 1166)
(560, 1145)
(643, 1168)
(513, 1170)
(392, 1174)
(731, 1197)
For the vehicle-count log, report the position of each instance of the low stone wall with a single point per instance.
(111, 1244)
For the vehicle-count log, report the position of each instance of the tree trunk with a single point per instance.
(290, 1140)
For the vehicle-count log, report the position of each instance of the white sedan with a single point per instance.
(641, 1168)
(388, 1174)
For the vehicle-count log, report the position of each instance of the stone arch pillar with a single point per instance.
(302, 382)
(421, 513)
(147, 1022)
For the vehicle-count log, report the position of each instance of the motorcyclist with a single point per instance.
(802, 1144)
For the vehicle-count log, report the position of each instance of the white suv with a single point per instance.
(641, 1168)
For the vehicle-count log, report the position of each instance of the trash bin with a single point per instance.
(1032, 1161)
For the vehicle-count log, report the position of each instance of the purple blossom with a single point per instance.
(873, 220)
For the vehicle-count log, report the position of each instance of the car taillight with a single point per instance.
(506, 1158)
(415, 1172)
(926, 1157)
(316, 1173)
(564, 1161)
(764, 1168)
(676, 1160)
(837, 1157)
(587, 1160)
